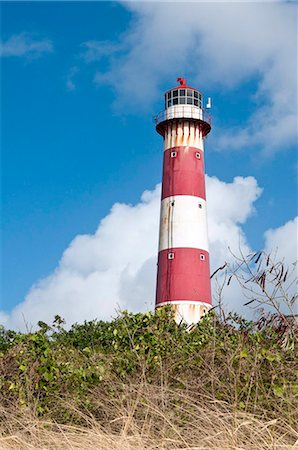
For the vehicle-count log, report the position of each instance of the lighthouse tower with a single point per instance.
(183, 275)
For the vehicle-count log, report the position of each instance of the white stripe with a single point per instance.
(186, 302)
(184, 312)
(183, 223)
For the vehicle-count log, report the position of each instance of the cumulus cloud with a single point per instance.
(280, 245)
(229, 206)
(282, 242)
(25, 45)
(222, 45)
(116, 266)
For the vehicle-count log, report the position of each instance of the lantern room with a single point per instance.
(183, 95)
(183, 103)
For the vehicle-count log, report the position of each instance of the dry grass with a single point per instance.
(146, 417)
(223, 432)
(147, 384)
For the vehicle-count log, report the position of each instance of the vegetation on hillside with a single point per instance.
(227, 379)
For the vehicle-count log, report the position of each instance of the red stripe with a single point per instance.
(183, 174)
(186, 277)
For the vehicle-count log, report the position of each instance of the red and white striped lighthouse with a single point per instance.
(183, 275)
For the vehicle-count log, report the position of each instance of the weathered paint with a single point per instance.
(189, 312)
(182, 133)
(183, 277)
(183, 172)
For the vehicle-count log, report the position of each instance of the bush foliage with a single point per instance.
(54, 372)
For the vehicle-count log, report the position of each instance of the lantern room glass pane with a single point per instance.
(182, 92)
(189, 92)
(196, 103)
(196, 94)
(169, 103)
(169, 95)
(175, 101)
(182, 100)
(189, 101)
(175, 93)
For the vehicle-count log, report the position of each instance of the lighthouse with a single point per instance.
(183, 269)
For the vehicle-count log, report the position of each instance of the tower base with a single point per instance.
(187, 312)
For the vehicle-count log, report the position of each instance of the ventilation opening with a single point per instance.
(173, 154)
(170, 255)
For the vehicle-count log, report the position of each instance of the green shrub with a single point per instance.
(247, 366)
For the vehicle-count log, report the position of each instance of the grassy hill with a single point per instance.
(146, 377)
(142, 381)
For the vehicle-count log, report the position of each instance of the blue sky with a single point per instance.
(80, 83)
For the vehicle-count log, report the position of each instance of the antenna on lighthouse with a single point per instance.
(208, 103)
(181, 81)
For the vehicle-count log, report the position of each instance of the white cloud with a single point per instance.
(229, 206)
(70, 84)
(25, 45)
(116, 266)
(219, 46)
(96, 50)
(282, 242)
(281, 247)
